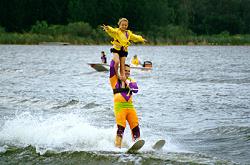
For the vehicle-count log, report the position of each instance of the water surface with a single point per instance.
(55, 109)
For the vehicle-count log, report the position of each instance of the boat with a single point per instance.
(101, 67)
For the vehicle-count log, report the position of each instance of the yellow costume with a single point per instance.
(122, 39)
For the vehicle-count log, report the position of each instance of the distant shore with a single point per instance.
(36, 39)
(81, 33)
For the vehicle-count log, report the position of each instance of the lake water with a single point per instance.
(55, 109)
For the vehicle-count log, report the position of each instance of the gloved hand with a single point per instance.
(132, 85)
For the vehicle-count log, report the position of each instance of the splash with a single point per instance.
(61, 132)
(68, 132)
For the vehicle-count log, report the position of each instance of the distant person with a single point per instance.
(122, 38)
(123, 104)
(147, 64)
(135, 61)
(103, 57)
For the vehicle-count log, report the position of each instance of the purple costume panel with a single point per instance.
(132, 85)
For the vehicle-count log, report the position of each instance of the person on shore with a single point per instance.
(123, 104)
(103, 57)
(122, 38)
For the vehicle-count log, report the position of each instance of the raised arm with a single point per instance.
(136, 38)
(112, 74)
(111, 31)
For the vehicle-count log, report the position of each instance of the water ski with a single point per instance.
(136, 146)
(159, 144)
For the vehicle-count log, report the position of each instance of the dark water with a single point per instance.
(55, 109)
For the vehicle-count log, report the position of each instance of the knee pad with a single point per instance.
(136, 132)
(120, 130)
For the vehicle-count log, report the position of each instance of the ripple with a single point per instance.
(69, 103)
(91, 105)
(226, 130)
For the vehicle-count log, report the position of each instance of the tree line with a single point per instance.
(156, 19)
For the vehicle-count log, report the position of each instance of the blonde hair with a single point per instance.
(122, 19)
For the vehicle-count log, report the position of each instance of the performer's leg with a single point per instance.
(136, 133)
(134, 124)
(117, 62)
(122, 68)
(120, 117)
(119, 135)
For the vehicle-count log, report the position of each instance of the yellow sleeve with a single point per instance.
(111, 31)
(136, 38)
